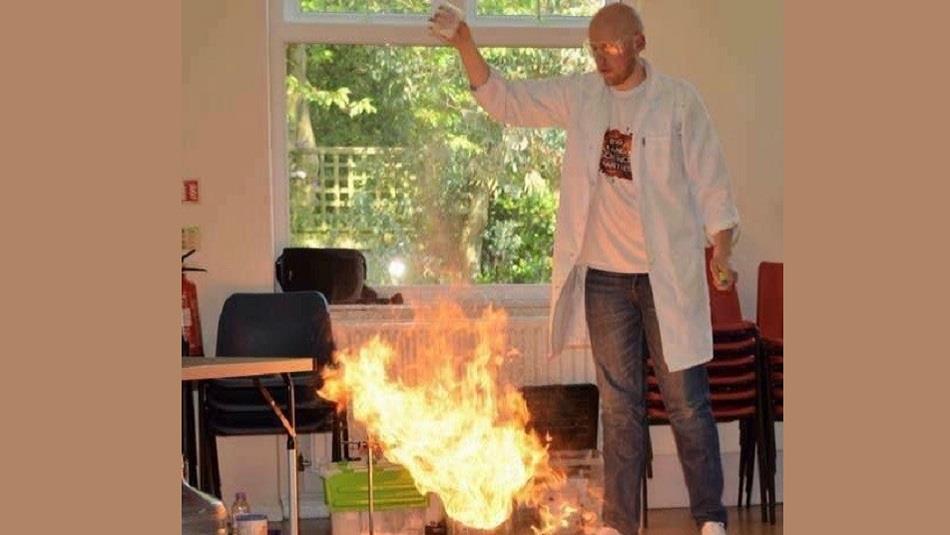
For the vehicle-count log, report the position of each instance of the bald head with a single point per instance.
(616, 21)
(616, 40)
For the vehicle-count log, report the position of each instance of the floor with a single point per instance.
(662, 522)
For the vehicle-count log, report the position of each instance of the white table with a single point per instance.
(203, 368)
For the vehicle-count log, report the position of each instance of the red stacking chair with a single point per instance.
(734, 385)
(769, 304)
(769, 310)
(726, 314)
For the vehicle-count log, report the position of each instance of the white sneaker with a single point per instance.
(713, 528)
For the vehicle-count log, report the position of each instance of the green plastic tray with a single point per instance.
(347, 488)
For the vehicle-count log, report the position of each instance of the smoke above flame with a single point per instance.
(459, 430)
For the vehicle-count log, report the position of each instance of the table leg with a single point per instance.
(189, 432)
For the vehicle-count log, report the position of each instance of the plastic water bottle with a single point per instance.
(240, 506)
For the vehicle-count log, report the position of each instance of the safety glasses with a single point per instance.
(605, 48)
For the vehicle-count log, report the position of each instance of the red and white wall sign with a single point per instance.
(190, 191)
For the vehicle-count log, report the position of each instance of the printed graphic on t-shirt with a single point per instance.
(615, 154)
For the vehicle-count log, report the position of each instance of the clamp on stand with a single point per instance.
(370, 446)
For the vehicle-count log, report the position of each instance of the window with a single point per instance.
(536, 8)
(539, 8)
(385, 150)
(364, 6)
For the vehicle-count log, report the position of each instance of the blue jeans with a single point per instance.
(620, 313)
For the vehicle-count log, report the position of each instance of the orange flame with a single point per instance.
(459, 431)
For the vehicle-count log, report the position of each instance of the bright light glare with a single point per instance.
(397, 268)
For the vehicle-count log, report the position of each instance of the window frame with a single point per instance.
(286, 24)
(293, 15)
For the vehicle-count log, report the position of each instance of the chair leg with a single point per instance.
(210, 475)
(189, 444)
(764, 434)
(750, 472)
(772, 460)
(768, 473)
(743, 453)
(210, 471)
(751, 453)
(215, 465)
(764, 469)
(772, 498)
(746, 462)
(768, 424)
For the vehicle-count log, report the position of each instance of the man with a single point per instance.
(643, 189)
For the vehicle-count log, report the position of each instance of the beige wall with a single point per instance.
(731, 50)
(225, 138)
(225, 133)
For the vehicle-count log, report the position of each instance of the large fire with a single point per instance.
(458, 429)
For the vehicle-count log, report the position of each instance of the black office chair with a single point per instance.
(293, 324)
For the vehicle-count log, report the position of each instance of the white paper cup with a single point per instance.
(449, 28)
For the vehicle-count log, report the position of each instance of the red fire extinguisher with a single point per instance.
(190, 320)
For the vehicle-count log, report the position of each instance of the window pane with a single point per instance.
(364, 6)
(580, 8)
(390, 154)
(507, 7)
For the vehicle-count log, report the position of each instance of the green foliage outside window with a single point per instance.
(417, 171)
(483, 7)
(364, 6)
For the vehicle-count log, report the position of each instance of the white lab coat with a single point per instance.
(682, 183)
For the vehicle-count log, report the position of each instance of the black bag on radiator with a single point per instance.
(339, 274)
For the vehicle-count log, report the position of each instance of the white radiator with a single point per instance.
(527, 335)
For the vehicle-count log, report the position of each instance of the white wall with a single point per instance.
(731, 50)
(225, 138)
